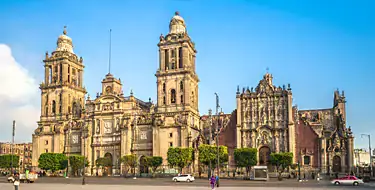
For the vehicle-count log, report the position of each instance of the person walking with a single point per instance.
(217, 180)
(16, 182)
(212, 182)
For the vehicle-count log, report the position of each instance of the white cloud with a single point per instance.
(19, 97)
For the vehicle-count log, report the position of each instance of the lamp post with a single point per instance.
(83, 134)
(12, 145)
(217, 134)
(369, 147)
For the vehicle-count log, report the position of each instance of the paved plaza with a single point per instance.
(36, 186)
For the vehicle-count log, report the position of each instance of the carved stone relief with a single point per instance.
(107, 126)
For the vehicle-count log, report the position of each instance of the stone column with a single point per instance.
(239, 121)
(58, 72)
(350, 153)
(46, 75)
(324, 155)
(277, 143)
(253, 140)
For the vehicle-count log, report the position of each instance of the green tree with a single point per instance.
(104, 162)
(77, 162)
(130, 162)
(245, 158)
(208, 155)
(8, 161)
(179, 157)
(282, 161)
(154, 162)
(52, 161)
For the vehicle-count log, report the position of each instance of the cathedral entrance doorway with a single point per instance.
(108, 169)
(336, 164)
(264, 156)
(143, 165)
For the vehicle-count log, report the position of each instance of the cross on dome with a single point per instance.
(65, 32)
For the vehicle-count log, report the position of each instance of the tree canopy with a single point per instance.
(129, 161)
(8, 161)
(282, 159)
(77, 162)
(208, 153)
(245, 157)
(179, 157)
(104, 162)
(52, 161)
(154, 162)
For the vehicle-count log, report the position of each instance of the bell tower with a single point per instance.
(177, 80)
(63, 93)
(177, 89)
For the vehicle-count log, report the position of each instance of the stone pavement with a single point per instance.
(36, 186)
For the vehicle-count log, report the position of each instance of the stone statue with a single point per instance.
(161, 37)
(98, 126)
(118, 124)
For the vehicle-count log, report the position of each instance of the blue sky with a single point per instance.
(316, 46)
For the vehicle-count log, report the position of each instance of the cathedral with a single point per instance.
(112, 124)
(265, 119)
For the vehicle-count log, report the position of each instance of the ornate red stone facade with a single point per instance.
(265, 119)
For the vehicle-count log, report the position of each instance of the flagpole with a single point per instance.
(12, 145)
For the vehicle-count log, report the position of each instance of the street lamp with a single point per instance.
(217, 133)
(369, 146)
(83, 134)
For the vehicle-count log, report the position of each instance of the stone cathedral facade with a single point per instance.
(113, 124)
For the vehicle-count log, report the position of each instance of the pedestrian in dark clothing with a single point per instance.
(16, 182)
(217, 180)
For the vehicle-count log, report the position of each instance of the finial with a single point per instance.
(131, 92)
(46, 54)
(267, 70)
(65, 32)
(177, 13)
(238, 89)
(149, 99)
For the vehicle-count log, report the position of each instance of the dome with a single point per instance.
(177, 25)
(64, 42)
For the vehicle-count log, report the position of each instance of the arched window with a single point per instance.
(173, 65)
(182, 99)
(46, 110)
(53, 107)
(181, 86)
(69, 110)
(164, 87)
(163, 100)
(74, 108)
(173, 96)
